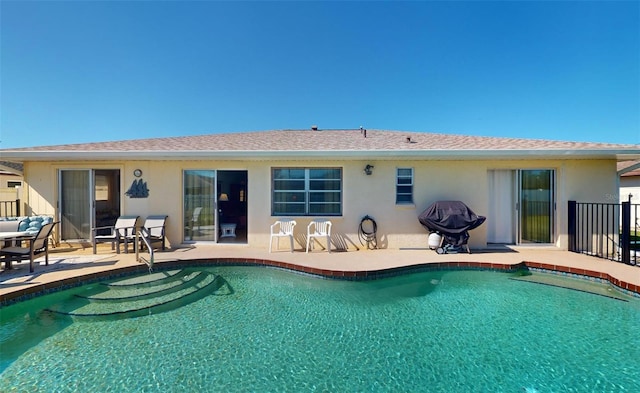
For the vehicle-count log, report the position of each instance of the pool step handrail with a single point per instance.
(143, 234)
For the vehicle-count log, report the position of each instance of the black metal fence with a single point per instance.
(10, 208)
(606, 230)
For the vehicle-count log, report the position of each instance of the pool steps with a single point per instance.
(148, 278)
(145, 290)
(144, 295)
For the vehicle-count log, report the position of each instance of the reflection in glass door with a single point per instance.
(536, 206)
(199, 205)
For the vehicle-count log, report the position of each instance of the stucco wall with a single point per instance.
(6, 178)
(591, 181)
(630, 185)
(374, 195)
(39, 190)
(10, 193)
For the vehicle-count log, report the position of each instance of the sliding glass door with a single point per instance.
(75, 204)
(521, 206)
(502, 207)
(88, 198)
(200, 218)
(536, 206)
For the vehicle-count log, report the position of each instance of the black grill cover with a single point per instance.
(450, 218)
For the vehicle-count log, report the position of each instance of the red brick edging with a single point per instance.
(37, 290)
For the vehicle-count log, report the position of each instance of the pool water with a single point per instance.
(446, 331)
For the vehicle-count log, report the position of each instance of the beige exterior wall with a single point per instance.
(10, 193)
(40, 189)
(374, 195)
(6, 178)
(630, 185)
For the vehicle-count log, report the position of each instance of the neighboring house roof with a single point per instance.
(11, 167)
(378, 144)
(629, 168)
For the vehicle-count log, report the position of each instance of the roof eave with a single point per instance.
(73, 155)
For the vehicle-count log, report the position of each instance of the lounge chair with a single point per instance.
(319, 228)
(123, 231)
(282, 228)
(38, 244)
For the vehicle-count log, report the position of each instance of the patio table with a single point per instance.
(6, 238)
(12, 235)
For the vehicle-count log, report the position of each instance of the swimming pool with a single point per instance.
(273, 330)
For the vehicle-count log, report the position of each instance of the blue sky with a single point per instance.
(88, 71)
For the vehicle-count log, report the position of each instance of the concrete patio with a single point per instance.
(69, 265)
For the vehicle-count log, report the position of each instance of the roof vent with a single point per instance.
(363, 131)
(314, 128)
(408, 139)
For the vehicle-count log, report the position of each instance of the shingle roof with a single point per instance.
(287, 140)
(11, 167)
(305, 141)
(624, 167)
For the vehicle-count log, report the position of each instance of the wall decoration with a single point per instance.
(138, 189)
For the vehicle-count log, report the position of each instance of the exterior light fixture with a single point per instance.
(368, 170)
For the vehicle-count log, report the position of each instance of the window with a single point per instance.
(306, 191)
(404, 186)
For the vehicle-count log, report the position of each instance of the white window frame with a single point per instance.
(308, 190)
(403, 182)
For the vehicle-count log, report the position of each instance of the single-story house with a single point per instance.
(250, 179)
(629, 172)
(10, 187)
(10, 181)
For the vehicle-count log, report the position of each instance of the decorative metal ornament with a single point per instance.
(138, 189)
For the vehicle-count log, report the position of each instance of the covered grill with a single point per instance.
(452, 220)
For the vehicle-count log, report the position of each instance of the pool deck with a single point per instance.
(69, 266)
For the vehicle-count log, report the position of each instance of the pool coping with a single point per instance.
(32, 291)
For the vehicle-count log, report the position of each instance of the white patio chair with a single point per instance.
(282, 228)
(123, 231)
(154, 229)
(319, 228)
